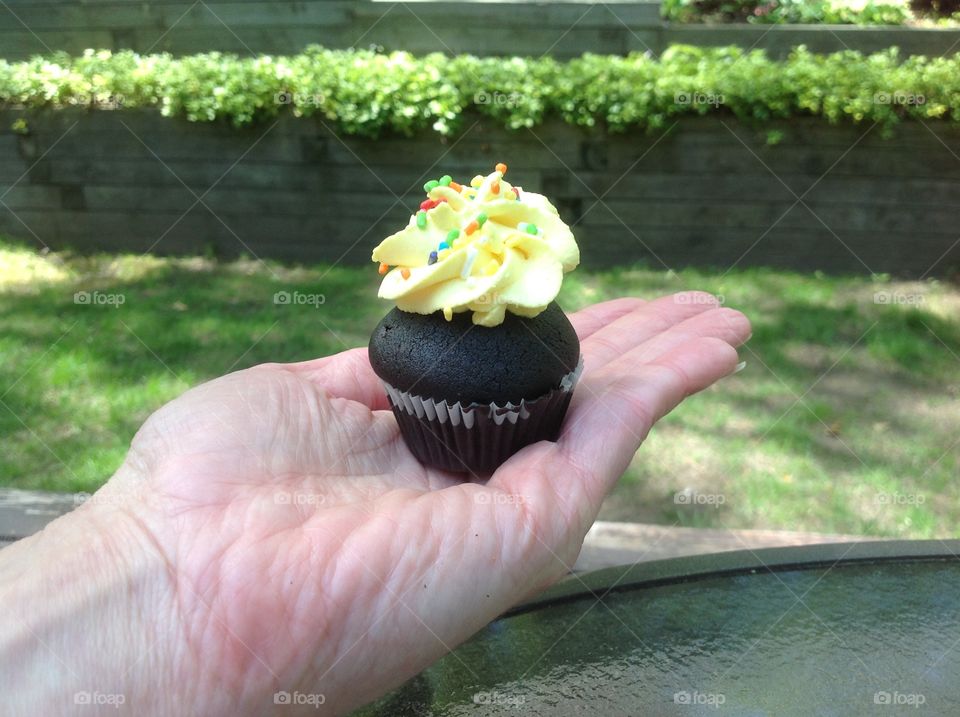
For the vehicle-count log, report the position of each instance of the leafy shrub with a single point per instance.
(365, 93)
(840, 12)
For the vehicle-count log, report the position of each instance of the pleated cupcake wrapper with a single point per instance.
(476, 437)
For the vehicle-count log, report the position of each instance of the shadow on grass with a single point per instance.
(78, 379)
(842, 411)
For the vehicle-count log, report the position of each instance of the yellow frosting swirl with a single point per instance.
(508, 251)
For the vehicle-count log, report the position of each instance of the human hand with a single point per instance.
(293, 543)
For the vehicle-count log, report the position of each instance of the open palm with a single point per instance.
(308, 551)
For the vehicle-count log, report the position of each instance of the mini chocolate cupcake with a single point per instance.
(477, 359)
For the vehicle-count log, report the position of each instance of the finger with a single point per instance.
(589, 320)
(347, 374)
(728, 325)
(642, 324)
(607, 426)
(564, 483)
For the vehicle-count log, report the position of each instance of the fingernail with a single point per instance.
(748, 338)
(740, 366)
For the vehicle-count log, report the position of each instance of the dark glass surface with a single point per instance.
(868, 633)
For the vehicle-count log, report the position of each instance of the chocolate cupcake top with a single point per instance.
(487, 248)
(455, 361)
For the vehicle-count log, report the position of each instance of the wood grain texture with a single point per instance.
(705, 192)
(564, 29)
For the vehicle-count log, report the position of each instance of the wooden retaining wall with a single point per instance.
(562, 29)
(708, 192)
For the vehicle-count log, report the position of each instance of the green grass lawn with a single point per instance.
(844, 420)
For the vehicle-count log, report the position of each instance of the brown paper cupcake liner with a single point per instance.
(476, 438)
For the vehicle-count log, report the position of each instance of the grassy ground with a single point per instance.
(845, 419)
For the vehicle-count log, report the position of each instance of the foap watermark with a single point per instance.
(92, 99)
(301, 99)
(688, 496)
(99, 699)
(287, 497)
(899, 699)
(490, 298)
(898, 298)
(695, 97)
(699, 298)
(99, 298)
(897, 498)
(299, 298)
(706, 699)
(503, 99)
(99, 498)
(310, 699)
(497, 498)
(899, 97)
(498, 698)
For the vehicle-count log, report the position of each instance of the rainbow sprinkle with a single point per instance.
(460, 238)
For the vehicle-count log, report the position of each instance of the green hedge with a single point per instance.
(833, 12)
(365, 93)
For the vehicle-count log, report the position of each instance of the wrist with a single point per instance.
(89, 615)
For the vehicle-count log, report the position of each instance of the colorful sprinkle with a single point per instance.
(502, 168)
(476, 182)
(432, 184)
(456, 187)
(405, 273)
(433, 258)
(481, 219)
(428, 204)
(422, 219)
(495, 188)
(453, 234)
(383, 269)
(528, 228)
(468, 264)
(443, 245)
(445, 180)
(471, 227)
